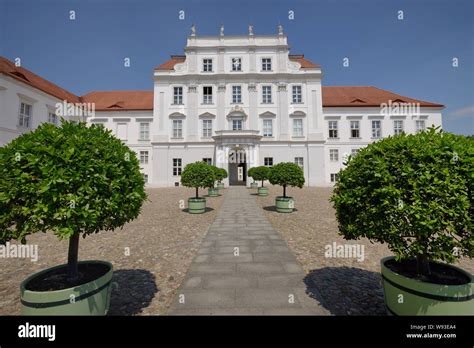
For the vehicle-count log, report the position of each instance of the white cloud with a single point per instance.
(466, 112)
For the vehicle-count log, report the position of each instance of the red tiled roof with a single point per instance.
(8, 68)
(120, 100)
(360, 96)
(305, 63)
(169, 65)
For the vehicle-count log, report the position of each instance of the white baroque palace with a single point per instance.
(233, 101)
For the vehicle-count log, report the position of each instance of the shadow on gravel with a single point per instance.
(206, 210)
(273, 208)
(132, 291)
(347, 290)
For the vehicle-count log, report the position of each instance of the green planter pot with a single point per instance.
(263, 191)
(254, 185)
(197, 205)
(91, 298)
(220, 185)
(213, 192)
(406, 296)
(284, 204)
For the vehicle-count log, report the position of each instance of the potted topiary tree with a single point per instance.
(214, 190)
(286, 174)
(253, 184)
(221, 174)
(196, 175)
(415, 193)
(261, 174)
(72, 180)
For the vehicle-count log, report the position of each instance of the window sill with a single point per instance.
(267, 103)
(355, 138)
(143, 139)
(298, 136)
(176, 138)
(208, 104)
(207, 72)
(333, 138)
(297, 103)
(180, 104)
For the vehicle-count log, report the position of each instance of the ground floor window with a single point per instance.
(177, 166)
(268, 161)
(354, 152)
(334, 177)
(334, 155)
(299, 161)
(207, 160)
(145, 177)
(144, 157)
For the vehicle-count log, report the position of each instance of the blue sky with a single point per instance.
(412, 57)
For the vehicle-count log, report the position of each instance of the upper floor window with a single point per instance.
(207, 128)
(178, 95)
(24, 117)
(144, 157)
(177, 128)
(297, 94)
(355, 129)
(236, 125)
(207, 65)
(207, 95)
(236, 94)
(420, 126)
(397, 127)
(376, 129)
(268, 161)
(207, 160)
(177, 166)
(266, 94)
(266, 64)
(267, 128)
(298, 127)
(236, 64)
(144, 131)
(299, 162)
(332, 129)
(333, 155)
(52, 118)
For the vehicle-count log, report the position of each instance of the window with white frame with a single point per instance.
(268, 161)
(236, 94)
(145, 177)
(237, 124)
(334, 177)
(52, 118)
(355, 129)
(24, 117)
(236, 64)
(207, 65)
(267, 128)
(266, 64)
(332, 129)
(297, 127)
(207, 128)
(207, 160)
(333, 155)
(297, 94)
(299, 162)
(397, 127)
(354, 152)
(420, 125)
(376, 129)
(144, 131)
(177, 166)
(177, 128)
(266, 94)
(178, 95)
(144, 157)
(207, 95)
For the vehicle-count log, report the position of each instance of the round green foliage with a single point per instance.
(68, 179)
(260, 173)
(413, 192)
(198, 174)
(287, 174)
(250, 173)
(220, 173)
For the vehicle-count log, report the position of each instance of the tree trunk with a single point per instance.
(197, 192)
(423, 265)
(284, 191)
(72, 256)
(262, 183)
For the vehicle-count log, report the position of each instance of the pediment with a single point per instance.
(267, 114)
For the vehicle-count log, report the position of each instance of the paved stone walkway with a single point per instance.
(244, 267)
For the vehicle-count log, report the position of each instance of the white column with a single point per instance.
(192, 126)
(282, 99)
(253, 106)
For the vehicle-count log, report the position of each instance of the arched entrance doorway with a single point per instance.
(237, 166)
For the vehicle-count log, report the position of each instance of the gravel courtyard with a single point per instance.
(162, 243)
(348, 287)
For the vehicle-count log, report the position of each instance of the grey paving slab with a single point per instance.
(244, 267)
